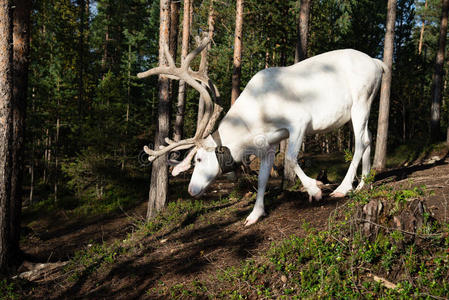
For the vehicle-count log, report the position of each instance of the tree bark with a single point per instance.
(447, 136)
(180, 106)
(174, 23)
(437, 84)
(21, 50)
(173, 39)
(159, 172)
(421, 34)
(81, 55)
(300, 54)
(6, 129)
(384, 107)
(204, 65)
(105, 55)
(237, 72)
(303, 31)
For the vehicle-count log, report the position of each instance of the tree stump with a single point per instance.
(370, 216)
(408, 219)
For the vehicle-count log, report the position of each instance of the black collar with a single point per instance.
(224, 157)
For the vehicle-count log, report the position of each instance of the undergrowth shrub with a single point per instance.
(342, 262)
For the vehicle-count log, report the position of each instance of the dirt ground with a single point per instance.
(198, 248)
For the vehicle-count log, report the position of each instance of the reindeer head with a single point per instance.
(207, 165)
(205, 171)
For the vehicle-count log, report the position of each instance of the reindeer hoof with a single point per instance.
(254, 217)
(337, 194)
(317, 197)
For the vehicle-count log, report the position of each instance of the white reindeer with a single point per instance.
(316, 95)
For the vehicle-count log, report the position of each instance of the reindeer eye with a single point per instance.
(198, 159)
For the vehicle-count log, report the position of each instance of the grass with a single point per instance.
(415, 152)
(177, 215)
(336, 263)
(341, 263)
(7, 290)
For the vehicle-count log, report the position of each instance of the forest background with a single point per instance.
(89, 116)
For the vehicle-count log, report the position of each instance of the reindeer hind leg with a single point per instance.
(309, 184)
(359, 114)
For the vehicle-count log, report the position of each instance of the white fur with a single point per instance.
(314, 96)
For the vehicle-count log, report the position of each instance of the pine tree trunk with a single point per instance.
(303, 30)
(128, 101)
(159, 171)
(173, 39)
(174, 24)
(31, 195)
(21, 39)
(300, 54)
(81, 57)
(437, 83)
(180, 106)
(204, 65)
(421, 34)
(237, 71)
(105, 55)
(447, 136)
(56, 146)
(384, 107)
(6, 129)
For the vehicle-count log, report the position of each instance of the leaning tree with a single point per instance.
(6, 128)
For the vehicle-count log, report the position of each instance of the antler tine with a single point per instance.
(167, 71)
(193, 79)
(156, 153)
(171, 61)
(186, 63)
(171, 71)
(213, 119)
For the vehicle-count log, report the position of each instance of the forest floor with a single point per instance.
(192, 242)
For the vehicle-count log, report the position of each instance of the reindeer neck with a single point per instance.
(235, 134)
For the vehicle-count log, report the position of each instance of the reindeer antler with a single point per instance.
(194, 79)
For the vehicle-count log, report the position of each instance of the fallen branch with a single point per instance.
(383, 281)
(37, 271)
